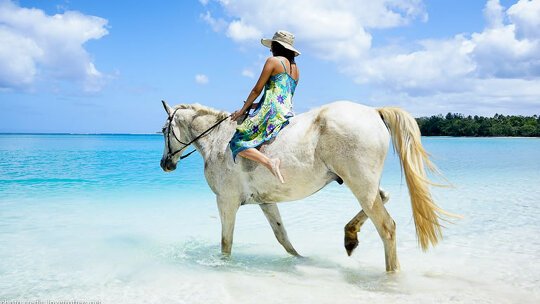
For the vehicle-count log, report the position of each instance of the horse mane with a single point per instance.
(203, 110)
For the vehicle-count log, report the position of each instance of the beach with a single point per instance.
(93, 218)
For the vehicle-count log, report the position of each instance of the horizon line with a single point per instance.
(74, 133)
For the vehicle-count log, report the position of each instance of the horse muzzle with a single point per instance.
(167, 165)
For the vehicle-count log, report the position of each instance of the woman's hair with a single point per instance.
(280, 50)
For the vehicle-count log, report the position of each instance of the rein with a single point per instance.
(169, 155)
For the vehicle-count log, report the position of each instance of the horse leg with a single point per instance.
(353, 226)
(368, 195)
(351, 230)
(271, 212)
(227, 213)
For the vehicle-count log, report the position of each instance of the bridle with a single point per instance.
(171, 130)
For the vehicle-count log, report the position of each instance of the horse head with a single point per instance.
(174, 139)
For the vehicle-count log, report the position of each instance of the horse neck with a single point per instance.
(215, 142)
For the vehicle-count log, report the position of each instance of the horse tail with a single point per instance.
(413, 158)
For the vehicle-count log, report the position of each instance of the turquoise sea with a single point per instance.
(94, 218)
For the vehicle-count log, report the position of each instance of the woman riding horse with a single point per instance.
(279, 78)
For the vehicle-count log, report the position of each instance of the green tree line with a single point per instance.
(455, 124)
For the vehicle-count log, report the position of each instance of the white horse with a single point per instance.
(342, 141)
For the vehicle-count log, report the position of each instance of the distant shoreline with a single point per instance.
(448, 136)
(456, 124)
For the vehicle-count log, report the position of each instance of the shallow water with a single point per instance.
(93, 217)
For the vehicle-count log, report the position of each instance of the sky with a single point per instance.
(103, 66)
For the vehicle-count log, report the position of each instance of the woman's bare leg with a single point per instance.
(271, 164)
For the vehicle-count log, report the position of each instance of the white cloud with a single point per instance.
(17, 68)
(216, 24)
(201, 79)
(481, 96)
(494, 13)
(438, 66)
(495, 70)
(333, 29)
(240, 31)
(526, 16)
(499, 53)
(34, 44)
(248, 73)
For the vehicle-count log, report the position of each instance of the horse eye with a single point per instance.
(163, 130)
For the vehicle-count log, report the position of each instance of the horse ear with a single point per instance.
(166, 107)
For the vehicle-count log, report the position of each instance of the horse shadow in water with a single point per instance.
(198, 254)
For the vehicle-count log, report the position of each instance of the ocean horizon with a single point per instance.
(93, 217)
(158, 133)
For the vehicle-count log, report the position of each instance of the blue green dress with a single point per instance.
(271, 115)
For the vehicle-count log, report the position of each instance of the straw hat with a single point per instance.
(284, 38)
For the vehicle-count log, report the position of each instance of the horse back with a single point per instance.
(312, 147)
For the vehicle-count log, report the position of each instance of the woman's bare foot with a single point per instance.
(274, 168)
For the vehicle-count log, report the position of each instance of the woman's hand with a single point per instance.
(236, 114)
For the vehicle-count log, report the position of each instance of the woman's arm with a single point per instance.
(268, 68)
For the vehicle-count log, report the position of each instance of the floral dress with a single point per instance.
(271, 115)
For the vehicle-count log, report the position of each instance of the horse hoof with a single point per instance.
(294, 253)
(350, 245)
